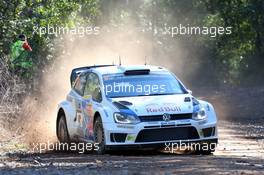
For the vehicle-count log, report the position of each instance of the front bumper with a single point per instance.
(152, 134)
(167, 146)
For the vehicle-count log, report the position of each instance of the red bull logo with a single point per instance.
(167, 107)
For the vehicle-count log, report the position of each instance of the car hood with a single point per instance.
(156, 105)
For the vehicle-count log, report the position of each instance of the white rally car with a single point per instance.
(142, 106)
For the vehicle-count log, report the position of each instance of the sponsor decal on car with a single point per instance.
(166, 107)
(89, 109)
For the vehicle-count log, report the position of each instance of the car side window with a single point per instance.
(80, 84)
(92, 87)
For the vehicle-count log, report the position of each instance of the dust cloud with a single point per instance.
(39, 110)
(130, 43)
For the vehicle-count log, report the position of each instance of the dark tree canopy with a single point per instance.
(234, 58)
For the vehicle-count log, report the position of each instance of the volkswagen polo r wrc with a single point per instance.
(133, 107)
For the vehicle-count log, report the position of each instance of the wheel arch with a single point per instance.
(96, 115)
(66, 108)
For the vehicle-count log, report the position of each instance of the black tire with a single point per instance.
(200, 150)
(99, 136)
(62, 130)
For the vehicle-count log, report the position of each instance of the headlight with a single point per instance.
(125, 118)
(199, 115)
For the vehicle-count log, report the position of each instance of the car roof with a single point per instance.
(113, 69)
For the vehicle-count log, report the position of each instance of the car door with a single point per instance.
(77, 95)
(91, 98)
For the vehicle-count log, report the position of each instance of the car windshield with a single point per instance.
(120, 85)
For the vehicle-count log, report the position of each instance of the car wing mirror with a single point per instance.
(189, 91)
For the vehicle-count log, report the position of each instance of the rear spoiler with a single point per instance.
(77, 71)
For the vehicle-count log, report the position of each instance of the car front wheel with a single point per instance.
(99, 136)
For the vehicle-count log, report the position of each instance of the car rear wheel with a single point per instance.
(62, 130)
(99, 136)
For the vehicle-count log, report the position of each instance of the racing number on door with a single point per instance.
(92, 95)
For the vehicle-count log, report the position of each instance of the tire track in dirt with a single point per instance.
(240, 151)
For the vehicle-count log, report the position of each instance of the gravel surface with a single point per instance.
(240, 151)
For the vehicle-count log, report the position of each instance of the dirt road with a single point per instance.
(240, 151)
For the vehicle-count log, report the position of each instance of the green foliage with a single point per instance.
(22, 16)
(240, 53)
(229, 58)
(235, 57)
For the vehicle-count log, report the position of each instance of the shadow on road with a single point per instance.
(240, 151)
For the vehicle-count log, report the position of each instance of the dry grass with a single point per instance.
(11, 90)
